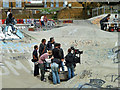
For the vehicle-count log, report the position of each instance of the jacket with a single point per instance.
(69, 58)
(42, 49)
(49, 45)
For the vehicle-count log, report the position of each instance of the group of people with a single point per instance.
(55, 53)
(106, 19)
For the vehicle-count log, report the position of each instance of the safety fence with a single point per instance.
(31, 21)
(105, 10)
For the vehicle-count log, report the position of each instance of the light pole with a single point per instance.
(83, 4)
(68, 6)
(11, 6)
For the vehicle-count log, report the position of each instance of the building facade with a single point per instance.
(20, 4)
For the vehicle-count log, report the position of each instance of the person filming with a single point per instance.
(69, 58)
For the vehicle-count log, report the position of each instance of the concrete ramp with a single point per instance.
(7, 34)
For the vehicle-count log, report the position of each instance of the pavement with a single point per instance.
(17, 68)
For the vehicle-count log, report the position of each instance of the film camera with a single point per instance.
(77, 53)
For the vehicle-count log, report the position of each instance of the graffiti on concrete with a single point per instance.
(94, 83)
(114, 54)
(112, 77)
(85, 43)
(85, 73)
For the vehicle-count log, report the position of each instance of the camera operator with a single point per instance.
(76, 53)
(69, 58)
(42, 65)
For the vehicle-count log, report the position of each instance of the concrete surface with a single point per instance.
(96, 59)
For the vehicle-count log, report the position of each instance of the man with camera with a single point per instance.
(71, 60)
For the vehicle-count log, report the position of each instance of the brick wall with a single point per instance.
(72, 13)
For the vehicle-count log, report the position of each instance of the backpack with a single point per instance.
(60, 53)
(69, 58)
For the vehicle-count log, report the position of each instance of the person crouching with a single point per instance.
(69, 58)
(42, 65)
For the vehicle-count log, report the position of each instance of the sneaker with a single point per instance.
(54, 83)
(44, 80)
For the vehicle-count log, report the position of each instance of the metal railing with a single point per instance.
(105, 10)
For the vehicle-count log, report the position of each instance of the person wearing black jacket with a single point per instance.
(35, 57)
(55, 64)
(105, 19)
(10, 21)
(50, 44)
(43, 47)
(69, 58)
(61, 57)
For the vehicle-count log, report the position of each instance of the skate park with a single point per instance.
(99, 60)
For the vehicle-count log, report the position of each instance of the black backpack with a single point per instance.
(69, 58)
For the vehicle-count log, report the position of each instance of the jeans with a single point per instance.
(54, 68)
(62, 65)
(42, 70)
(70, 72)
(115, 25)
(42, 22)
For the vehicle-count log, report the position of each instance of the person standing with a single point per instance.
(10, 21)
(42, 21)
(69, 58)
(115, 20)
(35, 57)
(61, 57)
(42, 65)
(55, 64)
(50, 44)
(43, 47)
(9, 11)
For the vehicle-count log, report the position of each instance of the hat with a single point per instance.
(49, 52)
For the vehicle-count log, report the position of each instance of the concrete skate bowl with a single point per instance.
(83, 29)
(84, 36)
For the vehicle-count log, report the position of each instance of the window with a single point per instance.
(64, 3)
(18, 3)
(52, 3)
(57, 3)
(45, 3)
(5, 3)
